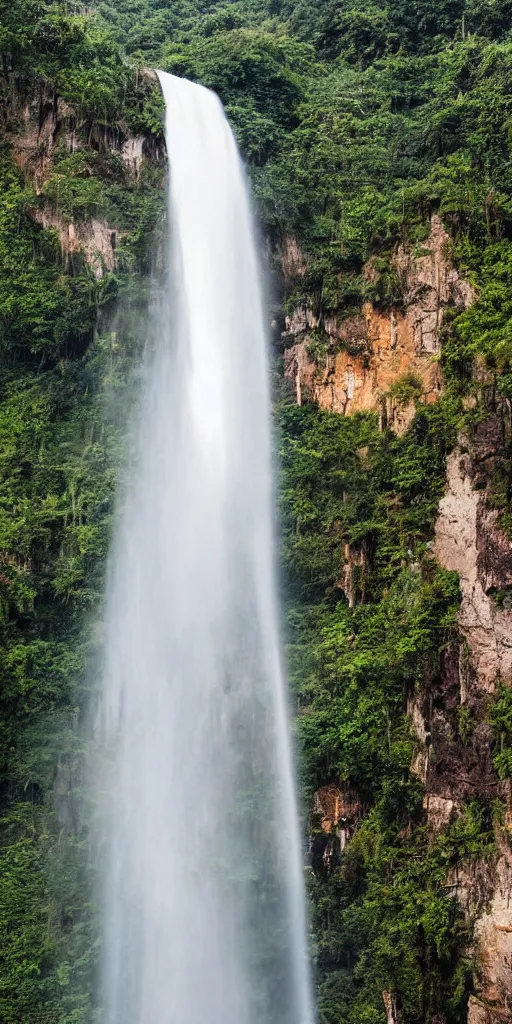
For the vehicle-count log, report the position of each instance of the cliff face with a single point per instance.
(492, 1002)
(366, 354)
(335, 816)
(470, 541)
(44, 126)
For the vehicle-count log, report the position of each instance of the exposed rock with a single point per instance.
(16, 561)
(430, 282)
(148, 73)
(292, 259)
(40, 123)
(417, 718)
(468, 541)
(300, 320)
(364, 357)
(132, 153)
(333, 806)
(471, 882)
(335, 816)
(47, 121)
(366, 354)
(493, 941)
(43, 124)
(96, 239)
(392, 1014)
(478, 1013)
(439, 811)
(453, 755)
(353, 572)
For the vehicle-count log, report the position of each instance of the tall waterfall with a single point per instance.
(203, 898)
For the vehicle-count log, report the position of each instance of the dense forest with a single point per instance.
(363, 125)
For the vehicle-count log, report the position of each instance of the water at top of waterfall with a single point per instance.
(204, 912)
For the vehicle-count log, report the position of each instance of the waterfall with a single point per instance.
(204, 911)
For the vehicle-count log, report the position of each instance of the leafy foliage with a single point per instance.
(66, 350)
(501, 720)
(358, 121)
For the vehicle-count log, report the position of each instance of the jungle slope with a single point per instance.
(379, 148)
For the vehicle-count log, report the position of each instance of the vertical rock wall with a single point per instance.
(366, 354)
(361, 359)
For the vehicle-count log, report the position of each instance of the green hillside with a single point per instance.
(358, 122)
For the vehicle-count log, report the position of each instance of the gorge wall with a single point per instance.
(386, 361)
(365, 356)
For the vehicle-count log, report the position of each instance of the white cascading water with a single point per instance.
(204, 902)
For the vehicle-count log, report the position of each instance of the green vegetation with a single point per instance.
(65, 353)
(501, 721)
(406, 388)
(358, 121)
(385, 913)
(386, 920)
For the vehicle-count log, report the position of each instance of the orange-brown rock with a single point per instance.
(367, 353)
(333, 806)
(335, 816)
